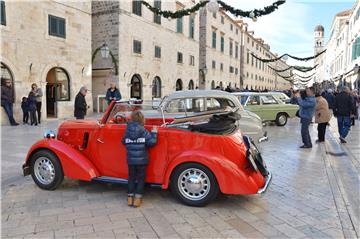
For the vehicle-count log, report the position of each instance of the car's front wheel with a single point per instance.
(194, 184)
(46, 170)
(281, 119)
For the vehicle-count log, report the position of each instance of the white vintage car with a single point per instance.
(193, 102)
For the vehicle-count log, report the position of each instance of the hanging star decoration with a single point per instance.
(254, 14)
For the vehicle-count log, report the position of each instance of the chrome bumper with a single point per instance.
(263, 189)
(263, 138)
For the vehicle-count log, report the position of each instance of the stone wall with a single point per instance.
(25, 42)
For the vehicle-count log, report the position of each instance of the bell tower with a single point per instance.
(318, 39)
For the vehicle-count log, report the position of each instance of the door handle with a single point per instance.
(100, 140)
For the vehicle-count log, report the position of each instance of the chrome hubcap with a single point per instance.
(194, 184)
(282, 119)
(44, 170)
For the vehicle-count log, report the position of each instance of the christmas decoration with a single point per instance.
(213, 6)
(298, 68)
(293, 57)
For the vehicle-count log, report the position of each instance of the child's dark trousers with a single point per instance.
(136, 180)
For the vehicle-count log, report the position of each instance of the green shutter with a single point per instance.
(3, 13)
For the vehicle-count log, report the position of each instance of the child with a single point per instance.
(32, 107)
(25, 109)
(136, 140)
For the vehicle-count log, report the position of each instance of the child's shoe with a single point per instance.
(130, 200)
(137, 202)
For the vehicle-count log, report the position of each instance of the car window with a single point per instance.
(218, 104)
(186, 105)
(254, 100)
(267, 100)
(243, 99)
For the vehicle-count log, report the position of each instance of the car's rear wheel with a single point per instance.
(281, 119)
(46, 170)
(194, 184)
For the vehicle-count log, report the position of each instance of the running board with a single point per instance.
(105, 179)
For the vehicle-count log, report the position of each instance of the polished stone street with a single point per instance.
(314, 194)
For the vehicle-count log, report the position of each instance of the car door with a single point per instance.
(253, 105)
(269, 107)
(111, 153)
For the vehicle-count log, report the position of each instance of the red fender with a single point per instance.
(231, 179)
(74, 164)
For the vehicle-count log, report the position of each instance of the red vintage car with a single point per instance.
(196, 157)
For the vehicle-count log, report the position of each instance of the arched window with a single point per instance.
(179, 85)
(191, 85)
(221, 84)
(213, 85)
(156, 87)
(136, 87)
(57, 89)
(7, 75)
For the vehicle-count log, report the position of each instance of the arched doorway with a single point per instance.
(179, 85)
(221, 85)
(156, 87)
(6, 74)
(191, 85)
(213, 85)
(136, 87)
(57, 89)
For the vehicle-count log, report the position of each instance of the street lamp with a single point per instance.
(104, 50)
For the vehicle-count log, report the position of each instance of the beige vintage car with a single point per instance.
(192, 102)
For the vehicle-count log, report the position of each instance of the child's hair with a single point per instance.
(137, 116)
(24, 98)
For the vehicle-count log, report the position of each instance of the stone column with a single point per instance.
(202, 48)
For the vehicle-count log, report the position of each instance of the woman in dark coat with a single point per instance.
(80, 104)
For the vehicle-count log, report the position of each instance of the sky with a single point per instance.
(290, 29)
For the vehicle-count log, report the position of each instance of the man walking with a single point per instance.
(306, 113)
(7, 99)
(343, 107)
(80, 104)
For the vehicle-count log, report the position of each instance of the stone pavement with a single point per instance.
(310, 197)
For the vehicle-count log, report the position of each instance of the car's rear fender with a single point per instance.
(74, 164)
(231, 179)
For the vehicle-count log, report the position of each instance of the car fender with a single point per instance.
(74, 164)
(231, 179)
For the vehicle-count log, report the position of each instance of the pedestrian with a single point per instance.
(355, 112)
(25, 110)
(38, 94)
(322, 117)
(343, 107)
(113, 93)
(307, 105)
(137, 139)
(80, 104)
(7, 100)
(32, 108)
(330, 98)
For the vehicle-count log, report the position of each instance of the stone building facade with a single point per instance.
(47, 43)
(155, 55)
(257, 75)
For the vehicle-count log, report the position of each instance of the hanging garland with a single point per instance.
(298, 68)
(236, 12)
(176, 14)
(296, 75)
(254, 13)
(293, 57)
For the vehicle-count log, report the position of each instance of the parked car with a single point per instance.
(196, 163)
(192, 102)
(267, 106)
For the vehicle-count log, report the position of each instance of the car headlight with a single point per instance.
(49, 134)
